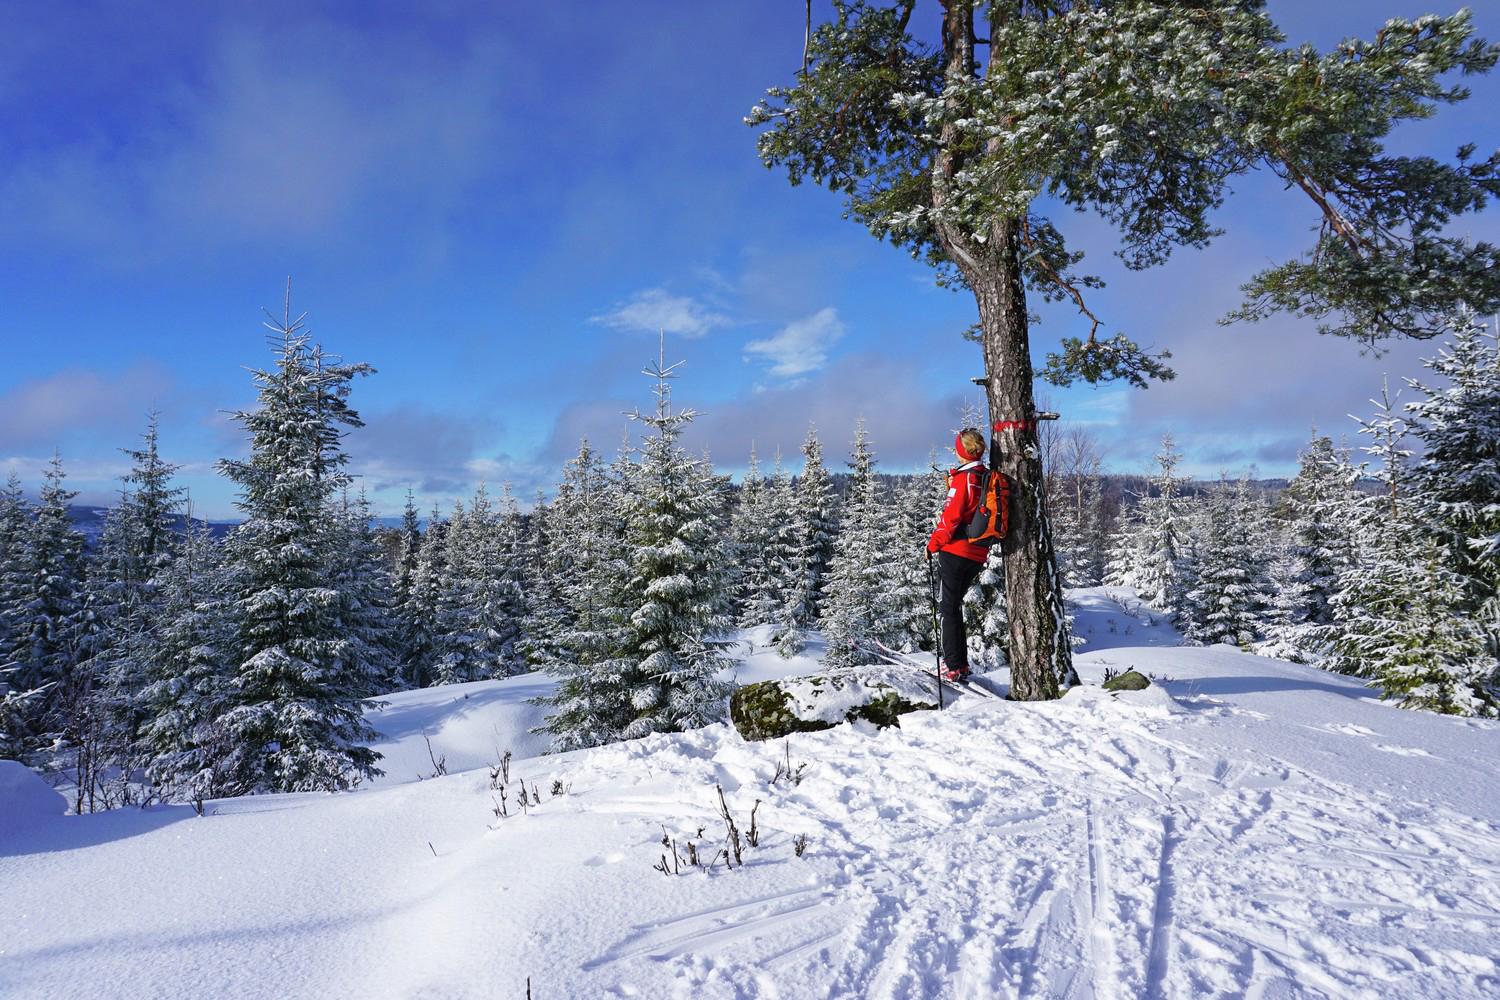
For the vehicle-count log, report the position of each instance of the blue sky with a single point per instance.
(497, 204)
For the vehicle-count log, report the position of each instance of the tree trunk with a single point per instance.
(1041, 654)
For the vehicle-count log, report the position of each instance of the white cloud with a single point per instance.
(802, 345)
(655, 309)
(40, 412)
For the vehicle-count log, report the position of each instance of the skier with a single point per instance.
(958, 560)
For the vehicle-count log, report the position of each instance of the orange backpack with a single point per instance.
(991, 519)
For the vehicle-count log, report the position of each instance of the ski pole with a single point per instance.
(937, 633)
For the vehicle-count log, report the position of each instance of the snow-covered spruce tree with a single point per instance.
(1143, 113)
(783, 544)
(985, 621)
(368, 599)
(107, 647)
(918, 501)
(592, 638)
(1413, 639)
(121, 607)
(1195, 517)
(557, 521)
(1093, 533)
(155, 501)
(16, 702)
(185, 682)
(1319, 508)
(482, 603)
(758, 597)
(1457, 480)
(459, 651)
(1157, 546)
(815, 530)
(1067, 534)
(422, 610)
(862, 578)
(15, 707)
(407, 555)
(506, 598)
(409, 550)
(1228, 599)
(1122, 557)
(291, 720)
(540, 584)
(1399, 611)
(1076, 496)
(46, 615)
(675, 526)
(138, 539)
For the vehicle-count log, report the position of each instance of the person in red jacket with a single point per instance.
(958, 560)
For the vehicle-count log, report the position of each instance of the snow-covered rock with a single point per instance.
(1130, 680)
(879, 694)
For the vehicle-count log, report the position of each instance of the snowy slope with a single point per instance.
(472, 725)
(1267, 831)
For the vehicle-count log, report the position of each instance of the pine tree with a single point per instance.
(409, 550)
(1320, 508)
(47, 615)
(459, 653)
(650, 604)
(17, 702)
(483, 602)
(102, 716)
(674, 526)
(422, 611)
(918, 501)
(506, 597)
(1412, 638)
(815, 531)
(366, 594)
(541, 586)
(154, 502)
(292, 720)
(1399, 612)
(1228, 599)
(1157, 546)
(558, 524)
(1457, 479)
(186, 680)
(122, 604)
(592, 637)
(783, 544)
(862, 578)
(758, 596)
(1123, 557)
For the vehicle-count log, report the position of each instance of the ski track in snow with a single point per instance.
(1091, 848)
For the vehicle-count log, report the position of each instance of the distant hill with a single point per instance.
(90, 522)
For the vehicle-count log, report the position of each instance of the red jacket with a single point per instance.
(964, 486)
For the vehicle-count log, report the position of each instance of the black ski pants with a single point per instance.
(955, 576)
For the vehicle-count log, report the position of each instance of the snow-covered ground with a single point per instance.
(1268, 830)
